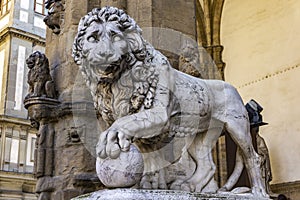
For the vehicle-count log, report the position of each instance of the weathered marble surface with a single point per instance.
(167, 115)
(134, 194)
(124, 171)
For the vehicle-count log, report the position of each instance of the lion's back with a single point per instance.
(192, 102)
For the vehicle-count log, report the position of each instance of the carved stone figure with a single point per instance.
(254, 110)
(53, 19)
(39, 78)
(189, 61)
(42, 111)
(144, 102)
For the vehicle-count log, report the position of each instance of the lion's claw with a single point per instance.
(113, 150)
(111, 143)
(123, 142)
(100, 150)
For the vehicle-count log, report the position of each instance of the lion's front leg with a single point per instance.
(145, 124)
(38, 89)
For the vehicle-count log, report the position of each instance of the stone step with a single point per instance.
(136, 194)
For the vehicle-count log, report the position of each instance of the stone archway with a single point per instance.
(208, 19)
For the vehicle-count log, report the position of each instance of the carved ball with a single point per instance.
(124, 171)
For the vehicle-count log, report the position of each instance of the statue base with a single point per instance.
(138, 194)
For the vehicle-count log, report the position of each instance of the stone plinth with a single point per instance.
(134, 194)
(41, 107)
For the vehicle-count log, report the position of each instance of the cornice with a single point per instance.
(23, 35)
(19, 177)
(17, 121)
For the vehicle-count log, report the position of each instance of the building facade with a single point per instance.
(22, 31)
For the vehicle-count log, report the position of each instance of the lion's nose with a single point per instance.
(106, 53)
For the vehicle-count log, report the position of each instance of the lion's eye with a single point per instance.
(117, 38)
(93, 38)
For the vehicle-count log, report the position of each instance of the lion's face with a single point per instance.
(34, 59)
(104, 46)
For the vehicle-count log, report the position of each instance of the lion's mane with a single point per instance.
(137, 77)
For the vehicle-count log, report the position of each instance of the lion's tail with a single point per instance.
(237, 171)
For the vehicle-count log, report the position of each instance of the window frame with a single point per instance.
(43, 7)
(25, 152)
(5, 7)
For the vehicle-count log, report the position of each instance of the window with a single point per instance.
(2, 59)
(39, 6)
(17, 151)
(5, 6)
(20, 78)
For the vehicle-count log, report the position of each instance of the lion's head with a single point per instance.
(107, 39)
(38, 65)
(108, 44)
(37, 59)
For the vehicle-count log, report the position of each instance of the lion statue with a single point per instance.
(143, 101)
(39, 78)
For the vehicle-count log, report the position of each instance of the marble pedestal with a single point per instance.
(135, 194)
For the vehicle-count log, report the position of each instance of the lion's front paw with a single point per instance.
(111, 143)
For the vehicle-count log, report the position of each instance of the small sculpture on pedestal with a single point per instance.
(254, 110)
(39, 78)
(155, 115)
(42, 105)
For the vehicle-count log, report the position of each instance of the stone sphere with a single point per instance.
(124, 171)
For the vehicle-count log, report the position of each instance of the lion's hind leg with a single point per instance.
(238, 128)
(201, 151)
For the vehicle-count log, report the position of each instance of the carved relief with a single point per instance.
(166, 114)
(55, 13)
(75, 134)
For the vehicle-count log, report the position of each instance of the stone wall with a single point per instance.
(261, 40)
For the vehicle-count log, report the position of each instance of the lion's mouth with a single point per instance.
(105, 70)
(30, 64)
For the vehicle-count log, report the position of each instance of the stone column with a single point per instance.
(208, 15)
(43, 113)
(166, 24)
(122, 4)
(74, 163)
